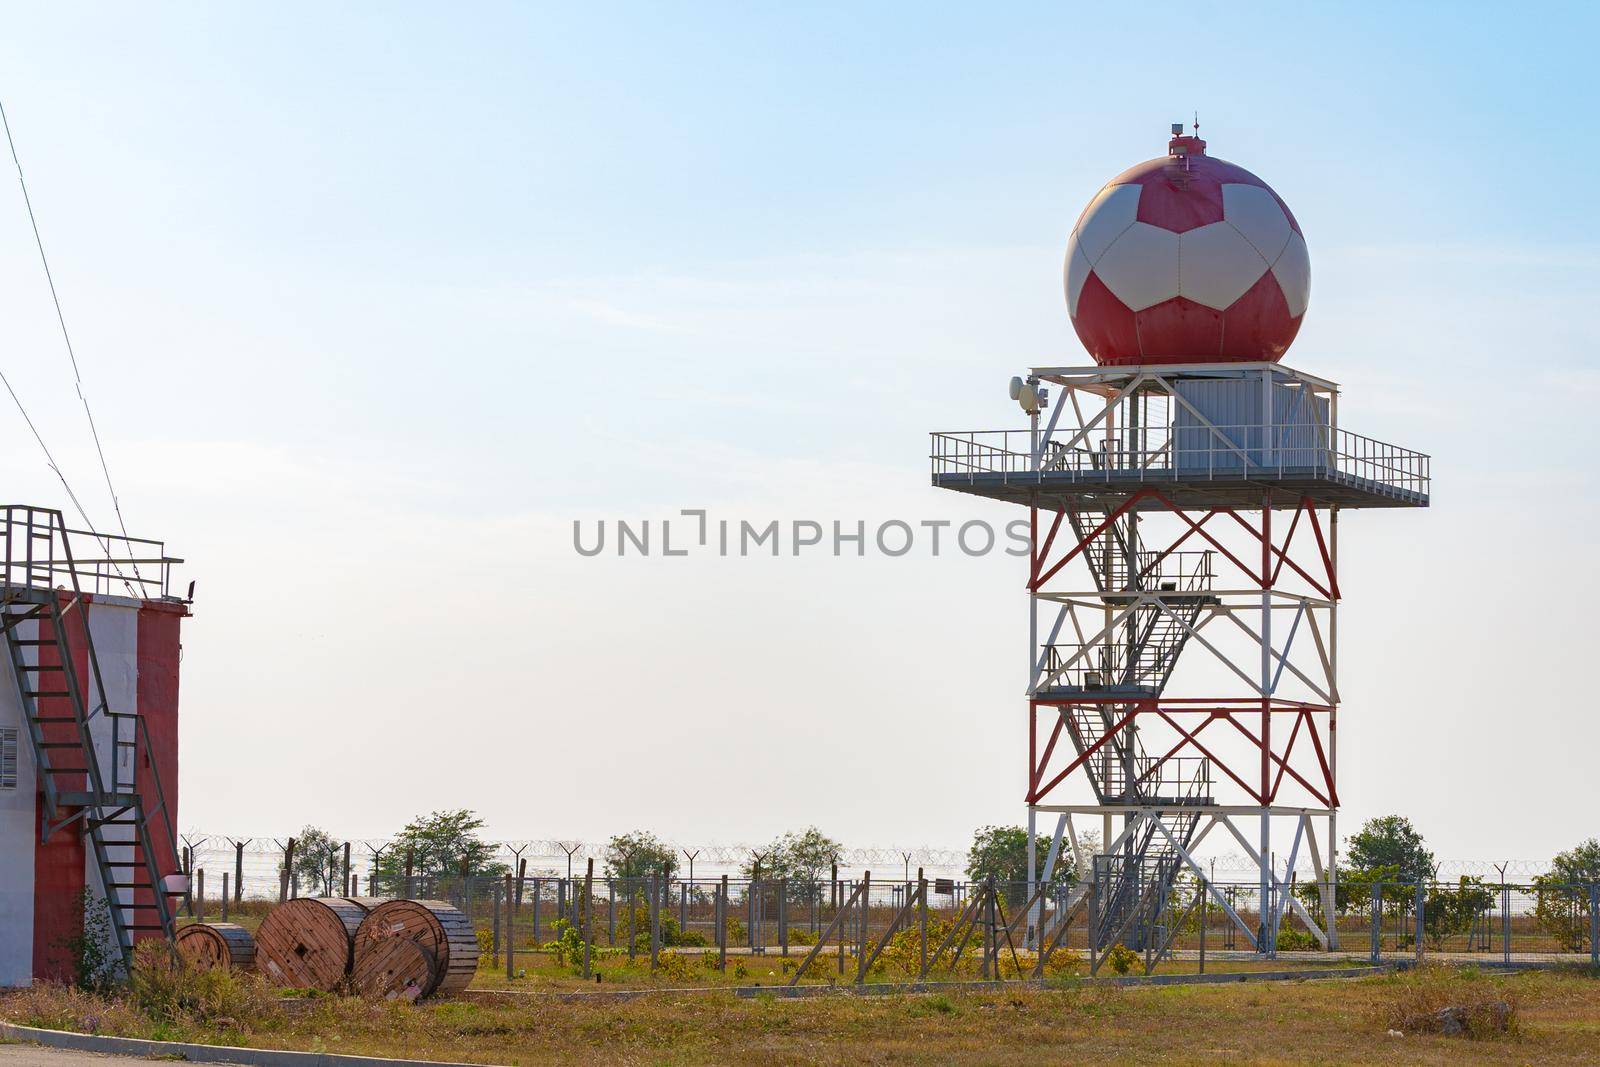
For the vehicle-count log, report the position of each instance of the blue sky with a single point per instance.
(372, 300)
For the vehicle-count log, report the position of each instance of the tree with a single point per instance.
(438, 843)
(639, 854)
(1391, 841)
(1002, 852)
(804, 859)
(1451, 912)
(1580, 864)
(1561, 904)
(318, 860)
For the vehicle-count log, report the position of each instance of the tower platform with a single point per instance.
(1191, 436)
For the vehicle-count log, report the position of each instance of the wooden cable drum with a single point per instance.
(214, 946)
(394, 968)
(306, 943)
(443, 930)
(366, 904)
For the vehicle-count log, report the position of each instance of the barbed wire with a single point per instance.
(556, 848)
(740, 854)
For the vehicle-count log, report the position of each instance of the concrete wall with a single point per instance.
(41, 884)
(19, 826)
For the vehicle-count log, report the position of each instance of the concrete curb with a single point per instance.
(1222, 978)
(181, 1050)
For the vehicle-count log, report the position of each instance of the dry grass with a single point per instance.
(1446, 1000)
(1299, 1022)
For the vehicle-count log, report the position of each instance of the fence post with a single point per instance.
(494, 921)
(632, 892)
(722, 925)
(346, 878)
(922, 919)
(587, 915)
(511, 922)
(224, 896)
(238, 871)
(657, 887)
(1377, 921)
(783, 916)
(683, 906)
(1594, 924)
(1203, 916)
(1421, 897)
(1505, 919)
(1094, 921)
(538, 894)
(749, 907)
(199, 896)
(286, 876)
(844, 922)
(611, 912)
(411, 858)
(861, 939)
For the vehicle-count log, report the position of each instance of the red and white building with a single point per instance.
(88, 741)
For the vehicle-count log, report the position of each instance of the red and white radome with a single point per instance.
(1187, 259)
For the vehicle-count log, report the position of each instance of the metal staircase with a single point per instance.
(87, 756)
(1161, 598)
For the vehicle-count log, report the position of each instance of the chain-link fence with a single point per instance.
(1009, 929)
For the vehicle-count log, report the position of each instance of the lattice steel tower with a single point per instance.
(1184, 496)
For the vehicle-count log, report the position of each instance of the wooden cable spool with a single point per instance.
(217, 946)
(394, 968)
(443, 930)
(366, 904)
(306, 943)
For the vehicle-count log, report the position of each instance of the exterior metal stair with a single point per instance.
(1134, 882)
(115, 811)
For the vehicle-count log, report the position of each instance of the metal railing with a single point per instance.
(1177, 778)
(1186, 453)
(43, 552)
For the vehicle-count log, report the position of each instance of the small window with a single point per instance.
(8, 757)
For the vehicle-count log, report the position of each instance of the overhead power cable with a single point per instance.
(72, 356)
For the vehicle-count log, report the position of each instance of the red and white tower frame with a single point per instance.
(1183, 600)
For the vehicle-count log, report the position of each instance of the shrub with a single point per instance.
(1292, 940)
(677, 966)
(799, 935)
(1121, 958)
(567, 947)
(165, 988)
(92, 946)
(1063, 961)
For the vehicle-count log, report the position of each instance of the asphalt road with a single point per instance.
(37, 1056)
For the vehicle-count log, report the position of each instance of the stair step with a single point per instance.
(81, 799)
(144, 926)
(43, 719)
(45, 693)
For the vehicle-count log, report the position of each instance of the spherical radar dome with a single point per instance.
(1187, 259)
